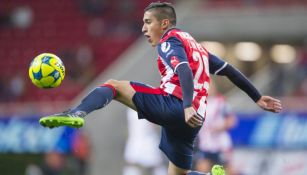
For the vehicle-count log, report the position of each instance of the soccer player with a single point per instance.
(178, 105)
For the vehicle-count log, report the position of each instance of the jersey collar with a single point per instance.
(168, 31)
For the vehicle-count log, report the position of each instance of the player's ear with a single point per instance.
(165, 24)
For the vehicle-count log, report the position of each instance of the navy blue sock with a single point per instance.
(98, 98)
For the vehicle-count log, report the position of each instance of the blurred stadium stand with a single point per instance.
(28, 28)
(110, 47)
(255, 3)
(70, 28)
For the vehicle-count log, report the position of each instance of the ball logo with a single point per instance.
(60, 65)
(57, 75)
(45, 59)
(165, 47)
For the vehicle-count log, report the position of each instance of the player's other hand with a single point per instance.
(192, 118)
(270, 104)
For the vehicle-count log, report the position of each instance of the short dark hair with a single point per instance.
(164, 10)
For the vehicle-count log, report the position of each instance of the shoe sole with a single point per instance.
(56, 121)
(218, 170)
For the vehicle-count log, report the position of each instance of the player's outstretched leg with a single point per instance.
(96, 99)
(120, 91)
(216, 170)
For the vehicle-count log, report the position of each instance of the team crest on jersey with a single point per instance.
(165, 47)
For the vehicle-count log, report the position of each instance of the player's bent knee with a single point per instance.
(112, 82)
(119, 85)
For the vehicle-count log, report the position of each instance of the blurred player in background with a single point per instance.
(81, 152)
(141, 155)
(178, 105)
(214, 141)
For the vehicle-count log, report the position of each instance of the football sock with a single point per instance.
(96, 99)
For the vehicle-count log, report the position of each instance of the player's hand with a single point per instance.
(192, 118)
(270, 104)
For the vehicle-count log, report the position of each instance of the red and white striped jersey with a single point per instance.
(177, 47)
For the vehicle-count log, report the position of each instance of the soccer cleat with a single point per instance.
(217, 170)
(66, 118)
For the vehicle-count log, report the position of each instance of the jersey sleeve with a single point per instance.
(216, 64)
(172, 52)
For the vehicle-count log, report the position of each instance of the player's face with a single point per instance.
(152, 28)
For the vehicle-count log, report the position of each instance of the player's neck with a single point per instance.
(167, 30)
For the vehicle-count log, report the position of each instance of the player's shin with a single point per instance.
(96, 99)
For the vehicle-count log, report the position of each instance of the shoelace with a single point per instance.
(75, 114)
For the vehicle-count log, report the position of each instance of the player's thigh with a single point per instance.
(174, 170)
(124, 92)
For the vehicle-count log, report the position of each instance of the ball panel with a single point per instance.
(55, 74)
(37, 83)
(46, 59)
(37, 75)
(46, 69)
(31, 73)
(47, 81)
(36, 65)
(56, 83)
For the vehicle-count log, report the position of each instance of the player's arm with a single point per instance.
(174, 54)
(222, 68)
(186, 81)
